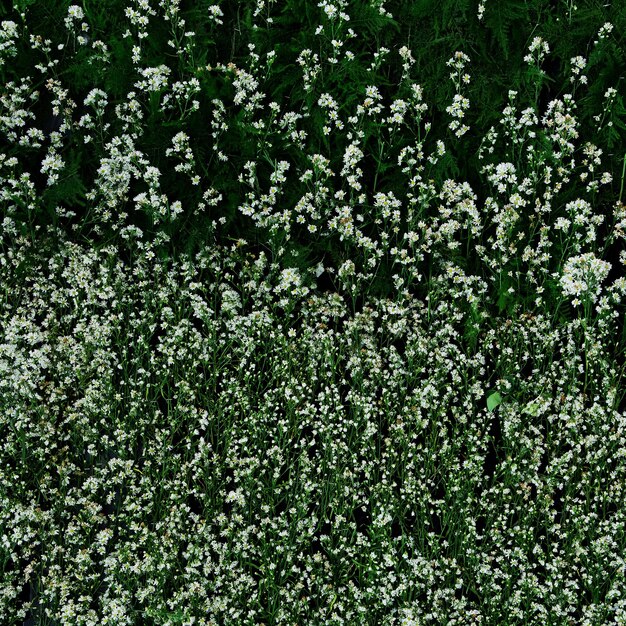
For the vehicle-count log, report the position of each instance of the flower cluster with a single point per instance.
(460, 103)
(583, 276)
(537, 52)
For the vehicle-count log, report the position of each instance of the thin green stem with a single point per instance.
(621, 189)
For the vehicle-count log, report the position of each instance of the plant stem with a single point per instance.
(621, 189)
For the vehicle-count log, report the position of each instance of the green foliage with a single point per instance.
(70, 189)
(116, 78)
(432, 32)
(508, 23)
(493, 400)
(379, 28)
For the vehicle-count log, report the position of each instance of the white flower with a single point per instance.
(458, 61)
(74, 14)
(604, 31)
(215, 13)
(155, 78)
(52, 164)
(346, 269)
(97, 99)
(537, 51)
(290, 280)
(582, 276)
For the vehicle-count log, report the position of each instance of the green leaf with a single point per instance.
(532, 408)
(503, 301)
(493, 401)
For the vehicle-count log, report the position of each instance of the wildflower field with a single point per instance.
(312, 312)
